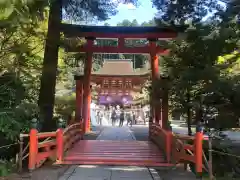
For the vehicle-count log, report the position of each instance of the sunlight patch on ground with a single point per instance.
(117, 168)
(127, 168)
(88, 166)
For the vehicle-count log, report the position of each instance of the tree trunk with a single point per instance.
(50, 63)
(189, 114)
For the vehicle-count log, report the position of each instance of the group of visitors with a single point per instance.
(117, 115)
(121, 115)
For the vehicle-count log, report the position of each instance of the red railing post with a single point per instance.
(60, 145)
(168, 145)
(198, 150)
(33, 149)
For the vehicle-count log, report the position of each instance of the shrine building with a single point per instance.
(117, 80)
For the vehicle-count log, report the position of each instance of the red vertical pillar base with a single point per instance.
(33, 149)
(86, 115)
(198, 151)
(60, 146)
(88, 122)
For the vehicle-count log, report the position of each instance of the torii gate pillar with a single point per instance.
(155, 101)
(86, 86)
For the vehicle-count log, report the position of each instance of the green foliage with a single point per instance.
(65, 105)
(22, 38)
(199, 67)
(12, 94)
(204, 70)
(78, 10)
(6, 168)
(186, 11)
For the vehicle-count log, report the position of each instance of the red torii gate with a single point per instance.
(174, 147)
(91, 33)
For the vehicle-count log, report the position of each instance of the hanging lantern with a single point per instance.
(125, 100)
(108, 98)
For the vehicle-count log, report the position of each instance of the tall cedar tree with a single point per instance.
(75, 10)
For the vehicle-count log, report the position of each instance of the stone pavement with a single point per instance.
(90, 172)
(116, 133)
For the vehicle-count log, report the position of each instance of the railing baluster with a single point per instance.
(33, 149)
(198, 152)
(60, 144)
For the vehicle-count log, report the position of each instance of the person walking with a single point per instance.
(98, 117)
(121, 118)
(113, 117)
(129, 119)
(133, 118)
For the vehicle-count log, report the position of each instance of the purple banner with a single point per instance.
(108, 99)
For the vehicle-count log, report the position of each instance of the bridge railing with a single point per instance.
(66, 138)
(48, 145)
(180, 148)
(163, 139)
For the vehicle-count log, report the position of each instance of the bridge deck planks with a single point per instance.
(115, 152)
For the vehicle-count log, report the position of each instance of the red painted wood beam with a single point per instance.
(122, 77)
(115, 50)
(115, 89)
(71, 30)
(157, 35)
(128, 163)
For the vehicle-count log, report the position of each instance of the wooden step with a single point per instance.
(109, 152)
(111, 163)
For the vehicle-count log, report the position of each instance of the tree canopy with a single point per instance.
(24, 26)
(203, 67)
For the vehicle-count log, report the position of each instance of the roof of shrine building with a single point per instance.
(120, 67)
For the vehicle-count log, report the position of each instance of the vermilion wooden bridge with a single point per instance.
(102, 152)
(163, 148)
